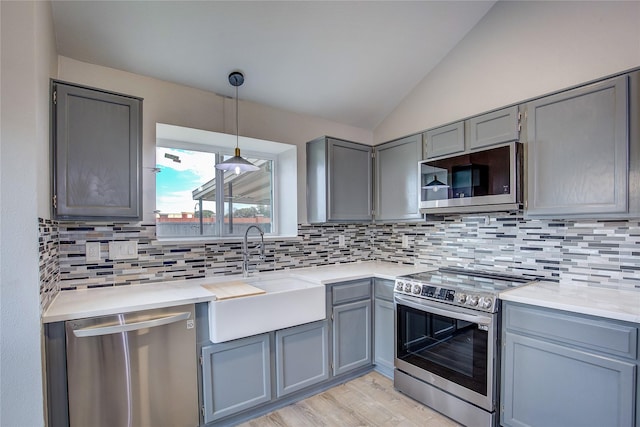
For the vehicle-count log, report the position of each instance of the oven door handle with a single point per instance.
(453, 314)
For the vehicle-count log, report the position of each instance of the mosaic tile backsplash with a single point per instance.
(48, 261)
(591, 253)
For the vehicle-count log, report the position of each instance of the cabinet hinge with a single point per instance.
(501, 408)
(202, 411)
(373, 154)
(201, 361)
(55, 97)
(519, 121)
(331, 315)
(55, 201)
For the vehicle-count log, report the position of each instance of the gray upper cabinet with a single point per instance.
(577, 151)
(339, 181)
(493, 128)
(564, 369)
(444, 140)
(97, 154)
(397, 179)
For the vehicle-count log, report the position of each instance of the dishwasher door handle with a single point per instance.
(94, 331)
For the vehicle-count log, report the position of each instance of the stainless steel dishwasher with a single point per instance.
(135, 369)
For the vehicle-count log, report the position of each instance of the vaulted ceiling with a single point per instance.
(347, 61)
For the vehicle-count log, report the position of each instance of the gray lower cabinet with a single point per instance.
(239, 375)
(563, 369)
(397, 179)
(351, 326)
(236, 376)
(97, 153)
(578, 151)
(302, 354)
(383, 328)
(339, 181)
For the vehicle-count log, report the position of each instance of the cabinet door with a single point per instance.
(384, 343)
(397, 179)
(302, 357)
(383, 288)
(236, 376)
(444, 140)
(547, 385)
(349, 181)
(97, 154)
(351, 336)
(493, 128)
(577, 151)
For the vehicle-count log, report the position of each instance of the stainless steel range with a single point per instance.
(447, 334)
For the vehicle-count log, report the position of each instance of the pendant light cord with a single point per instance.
(237, 121)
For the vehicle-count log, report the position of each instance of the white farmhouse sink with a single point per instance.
(288, 301)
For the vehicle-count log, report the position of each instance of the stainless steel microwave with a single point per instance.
(480, 181)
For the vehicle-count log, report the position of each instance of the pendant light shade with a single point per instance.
(435, 184)
(237, 163)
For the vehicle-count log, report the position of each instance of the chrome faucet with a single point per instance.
(245, 250)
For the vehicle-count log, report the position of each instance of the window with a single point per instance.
(194, 199)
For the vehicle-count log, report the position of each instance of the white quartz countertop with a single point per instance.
(610, 303)
(77, 304)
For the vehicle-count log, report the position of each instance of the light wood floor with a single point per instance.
(369, 400)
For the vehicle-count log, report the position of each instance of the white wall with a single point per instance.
(520, 50)
(27, 61)
(174, 104)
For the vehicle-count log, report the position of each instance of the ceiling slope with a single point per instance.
(349, 62)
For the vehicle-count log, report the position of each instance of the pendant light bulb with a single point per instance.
(237, 163)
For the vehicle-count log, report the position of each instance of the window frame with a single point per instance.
(220, 152)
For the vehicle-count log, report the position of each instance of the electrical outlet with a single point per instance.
(405, 241)
(341, 241)
(92, 251)
(123, 250)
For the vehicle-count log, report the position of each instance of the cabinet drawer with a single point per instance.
(352, 291)
(579, 330)
(383, 289)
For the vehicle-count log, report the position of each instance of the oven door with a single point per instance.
(448, 347)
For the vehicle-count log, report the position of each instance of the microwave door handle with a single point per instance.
(94, 331)
(428, 308)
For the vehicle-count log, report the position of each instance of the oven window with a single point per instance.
(453, 349)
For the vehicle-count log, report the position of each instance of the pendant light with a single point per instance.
(237, 163)
(435, 184)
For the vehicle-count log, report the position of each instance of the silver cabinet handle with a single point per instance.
(94, 331)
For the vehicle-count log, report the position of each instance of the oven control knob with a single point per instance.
(407, 288)
(399, 286)
(417, 289)
(472, 300)
(461, 298)
(486, 302)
